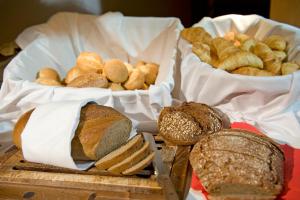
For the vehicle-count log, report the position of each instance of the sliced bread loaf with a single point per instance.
(139, 166)
(131, 160)
(119, 154)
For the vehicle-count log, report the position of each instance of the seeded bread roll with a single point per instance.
(187, 123)
(237, 164)
(89, 80)
(100, 130)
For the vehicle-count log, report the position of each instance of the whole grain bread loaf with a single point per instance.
(187, 123)
(100, 130)
(237, 164)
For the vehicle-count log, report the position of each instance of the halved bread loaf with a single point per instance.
(237, 164)
(119, 154)
(187, 123)
(131, 160)
(100, 130)
(139, 166)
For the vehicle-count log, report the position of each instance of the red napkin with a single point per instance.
(291, 189)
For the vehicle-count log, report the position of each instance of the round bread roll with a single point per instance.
(90, 61)
(135, 81)
(48, 73)
(89, 80)
(49, 82)
(139, 63)
(116, 87)
(74, 73)
(129, 68)
(116, 71)
(150, 70)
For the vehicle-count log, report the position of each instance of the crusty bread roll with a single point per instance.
(237, 164)
(116, 71)
(129, 68)
(116, 87)
(139, 63)
(73, 73)
(48, 73)
(49, 82)
(135, 81)
(89, 80)
(90, 61)
(150, 70)
(100, 130)
(187, 123)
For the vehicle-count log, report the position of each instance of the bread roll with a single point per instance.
(139, 63)
(289, 68)
(129, 68)
(49, 82)
(116, 87)
(237, 164)
(135, 81)
(89, 80)
(116, 71)
(150, 70)
(73, 73)
(90, 61)
(100, 130)
(48, 73)
(187, 123)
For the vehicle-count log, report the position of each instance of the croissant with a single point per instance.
(241, 37)
(272, 63)
(196, 34)
(288, 68)
(281, 55)
(250, 71)
(241, 59)
(202, 51)
(276, 42)
(224, 48)
(248, 45)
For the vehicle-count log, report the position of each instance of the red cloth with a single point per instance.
(291, 189)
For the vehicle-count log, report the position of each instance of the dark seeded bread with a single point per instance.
(236, 164)
(187, 123)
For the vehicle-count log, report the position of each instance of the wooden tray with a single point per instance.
(167, 178)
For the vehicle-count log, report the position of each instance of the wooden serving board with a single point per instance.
(167, 178)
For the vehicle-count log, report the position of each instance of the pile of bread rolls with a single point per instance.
(91, 71)
(240, 54)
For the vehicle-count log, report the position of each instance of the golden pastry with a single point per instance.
(250, 71)
(289, 68)
(224, 48)
(116, 71)
(90, 61)
(276, 42)
(202, 51)
(135, 81)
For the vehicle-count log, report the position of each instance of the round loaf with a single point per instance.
(239, 164)
(150, 70)
(48, 73)
(187, 123)
(100, 130)
(116, 71)
(89, 80)
(90, 61)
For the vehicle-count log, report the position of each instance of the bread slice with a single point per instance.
(131, 160)
(139, 166)
(100, 130)
(119, 154)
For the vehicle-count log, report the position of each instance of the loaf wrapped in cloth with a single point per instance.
(71, 134)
